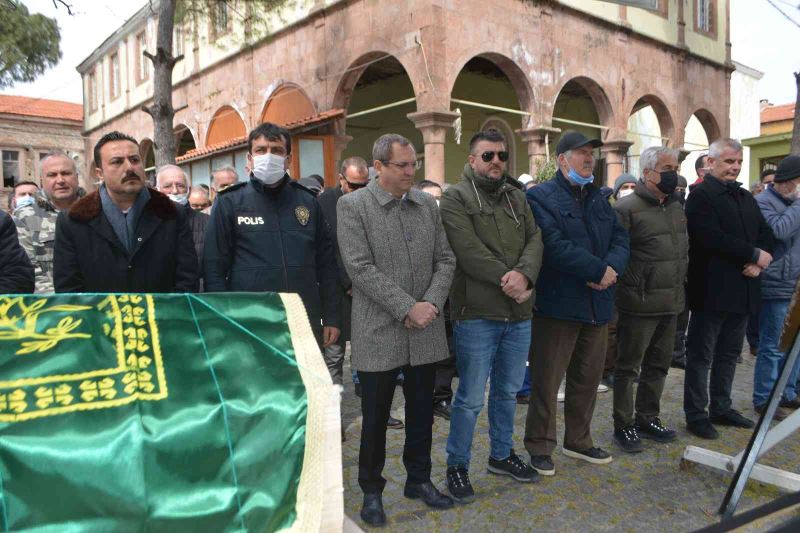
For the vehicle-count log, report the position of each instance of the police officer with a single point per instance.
(36, 219)
(269, 234)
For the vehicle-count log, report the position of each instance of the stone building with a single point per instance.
(31, 127)
(341, 72)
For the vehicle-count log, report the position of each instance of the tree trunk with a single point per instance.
(161, 109)
(795, 149)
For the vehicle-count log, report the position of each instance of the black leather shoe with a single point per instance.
(679, 362)
(428, 494)
(372, 511)
(732, 418)
(702, 428)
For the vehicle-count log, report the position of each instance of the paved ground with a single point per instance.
(650, 491)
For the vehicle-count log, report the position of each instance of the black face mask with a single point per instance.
(682, 197)
(669, 180)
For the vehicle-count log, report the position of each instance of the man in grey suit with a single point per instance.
(395, 250)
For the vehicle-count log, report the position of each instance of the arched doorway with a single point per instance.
(649, 124)
(184, 140)
(286, 105)
(701, 130)
(489, 91)
(226, 124)
(148, 155)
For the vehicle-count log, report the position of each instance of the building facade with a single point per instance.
(29, 129)
(341, 72)
(775, 139)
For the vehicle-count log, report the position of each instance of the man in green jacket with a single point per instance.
(498, 252)
(650, 296)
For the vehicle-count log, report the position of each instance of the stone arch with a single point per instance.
(357, 67)
(147, 152)
(185, 139)
(709, 123)
(514, 73)
(227, 123)
(503, 127)
(665, 121)
(287, 103)
(598, 95)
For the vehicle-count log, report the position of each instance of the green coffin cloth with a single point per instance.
(164, 412)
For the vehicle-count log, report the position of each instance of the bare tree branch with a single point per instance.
(66, 5)
(9, 4)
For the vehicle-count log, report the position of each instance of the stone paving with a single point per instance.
(650, 491)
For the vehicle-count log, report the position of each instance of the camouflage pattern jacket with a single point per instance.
(36, 227)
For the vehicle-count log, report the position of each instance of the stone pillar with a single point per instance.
(434, 126)
(615, 153)
(340, 142)
(538, 141)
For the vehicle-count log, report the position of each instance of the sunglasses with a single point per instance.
(354, 186)
(489, 156)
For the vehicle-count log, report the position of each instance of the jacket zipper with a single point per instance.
(283, 253)
(591, 242)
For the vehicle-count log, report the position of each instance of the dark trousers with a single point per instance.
(443, 385)
(644, 351)
(611, 347)
(714, 342)
(561, 347)
(377, 390)
(679, 351)
(752, 333)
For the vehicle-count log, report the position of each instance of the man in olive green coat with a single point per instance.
(498, 252)
(649, 297)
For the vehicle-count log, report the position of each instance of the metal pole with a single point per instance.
(578, 123)
(751, 453)
(491, 107)
(380, 108)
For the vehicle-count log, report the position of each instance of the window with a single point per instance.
(704, 15)
(177, 41)
(113, 75)
(93, 91)
(10, 167)
(142, 63)
(219, 16)
(662, 8)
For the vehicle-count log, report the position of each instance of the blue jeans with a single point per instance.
(525, 390)
(770, 359)
(486, 348)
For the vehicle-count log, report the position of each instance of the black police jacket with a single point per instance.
(261, 239)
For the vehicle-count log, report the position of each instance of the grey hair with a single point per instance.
(202, 190)
(166, 167)
(648, 159)
(382, 149)
(718, 146)
(57, 153)
(225, 168)
(356, 162)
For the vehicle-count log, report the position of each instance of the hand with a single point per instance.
(764, 259)
(609, 278)
(407, 323)
(595, 286)
(350, 291)
(329, 335)
(751, 270)
(514, 284)
(525, 296)
(422, 314)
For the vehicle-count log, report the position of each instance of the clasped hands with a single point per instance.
(421, 315)
(609, 278)
(753, 270)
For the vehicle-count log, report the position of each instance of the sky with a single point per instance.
(762, 38)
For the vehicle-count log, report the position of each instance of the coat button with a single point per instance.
(130, 267)
(139, 239)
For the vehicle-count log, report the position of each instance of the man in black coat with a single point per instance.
(124, 237)
(16, 270)
(353, 175)
(269, 234)
(730, 244)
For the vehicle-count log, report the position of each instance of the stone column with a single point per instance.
(615, 153)
(340, 142)
(538, 141)
(434, 126)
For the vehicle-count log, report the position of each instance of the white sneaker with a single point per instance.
(560, 396)
(602, 388)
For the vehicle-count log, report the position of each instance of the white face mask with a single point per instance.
(179, 199)
(268, 168)
(24, 202)
(625, 192)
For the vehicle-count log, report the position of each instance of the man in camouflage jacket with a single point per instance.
(36, 222)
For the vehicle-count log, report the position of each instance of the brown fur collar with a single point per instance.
(89, 206)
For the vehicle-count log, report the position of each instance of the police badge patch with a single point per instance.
(302, 214)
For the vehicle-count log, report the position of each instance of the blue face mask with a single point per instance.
(24, 201)
(577, 179)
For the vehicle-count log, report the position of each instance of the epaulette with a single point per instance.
(302, 187)
(233, 187)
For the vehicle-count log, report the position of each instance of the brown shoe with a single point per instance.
(780, 412)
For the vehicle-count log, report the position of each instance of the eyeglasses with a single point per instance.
(489, 156)
(354, 186)
(401, 166)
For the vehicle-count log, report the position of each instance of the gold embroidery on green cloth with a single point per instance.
(136, 369)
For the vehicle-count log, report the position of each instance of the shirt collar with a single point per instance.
(384, 197)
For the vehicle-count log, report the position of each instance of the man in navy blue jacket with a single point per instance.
(585, 248)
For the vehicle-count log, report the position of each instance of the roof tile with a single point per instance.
(777, 113)
(40, 107)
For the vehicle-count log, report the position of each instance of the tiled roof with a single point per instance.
(777, 113)
(39, 107)
(241, 141)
